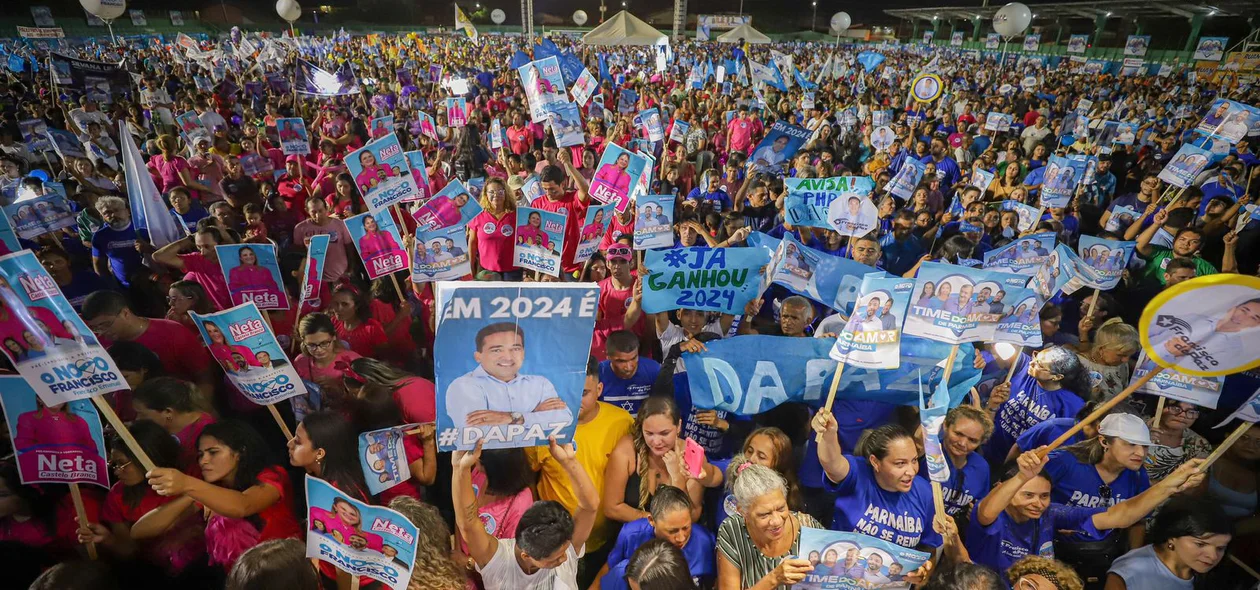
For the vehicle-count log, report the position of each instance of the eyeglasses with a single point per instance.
(174, 298)
(116, 466)
(1178, 410)
(619, 251)
(318, 345)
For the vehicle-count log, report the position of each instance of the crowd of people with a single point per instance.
(653, 492)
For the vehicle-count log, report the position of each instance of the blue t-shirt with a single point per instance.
(1079, 484)
(863, 507)
(698, 552)
(1005, 541)
(719, 199)
(1028, 406)
(947, 169)
(1045, 433)
(82, 284)
(965, 486)
(119, 246)
(628, 394)
(852, 416)
(189, 220)
(710, 438)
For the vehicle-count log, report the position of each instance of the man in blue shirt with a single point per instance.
(114, 250)
(626, 377)
(946, 168)
(901, 248)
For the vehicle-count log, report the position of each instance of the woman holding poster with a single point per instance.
(759, 545)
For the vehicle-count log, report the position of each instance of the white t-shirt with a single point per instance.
(503, 573)
(674, 334)
(211, 119)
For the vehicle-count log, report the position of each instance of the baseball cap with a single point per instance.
(619, 252)
(296, 159)
(515, 182)
(955, 140)
(1126, 427)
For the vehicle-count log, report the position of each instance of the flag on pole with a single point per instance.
(148, 211)
(767, 73)
(462, 22)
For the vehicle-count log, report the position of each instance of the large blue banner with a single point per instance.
(511, 362)
(753, 374)
(809, 199)
(708, 279)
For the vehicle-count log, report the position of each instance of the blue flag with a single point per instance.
(870, 59)
(753, 374)
(570, 67)
(520, 58)
(803, 81)
(828, 279)
(603, 69)
(546, 48)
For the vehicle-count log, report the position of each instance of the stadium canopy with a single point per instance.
(1086, 10)
(625, 29)
(745, 32)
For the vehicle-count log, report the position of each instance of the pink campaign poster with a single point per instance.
(60, 444)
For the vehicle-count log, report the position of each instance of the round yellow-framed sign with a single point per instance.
(927, 87)
(1206, 327)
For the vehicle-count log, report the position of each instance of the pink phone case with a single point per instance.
(693, 458)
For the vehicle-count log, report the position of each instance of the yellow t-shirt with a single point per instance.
(595, 442)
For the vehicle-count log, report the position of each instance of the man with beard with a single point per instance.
(114, 250)
(947, 169)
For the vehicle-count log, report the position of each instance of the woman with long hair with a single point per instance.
(655, 453)
(352, 314)
(186, 296)
(381, 396)
(321, 364)
(244, 496)
(1050, 384)
(490, 240)
(502, 479)
(767, 446)
(433, 569)
(344, 202)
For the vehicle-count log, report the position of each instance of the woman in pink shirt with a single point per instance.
(490, 232)
(174, 170)
(322, 363)
(376, 243)
(221, 351)
(250, 282)
(55, 429)
(383, 397)
(531, 233)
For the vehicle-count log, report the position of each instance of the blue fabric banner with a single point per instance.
(724, 280)
(828, 279)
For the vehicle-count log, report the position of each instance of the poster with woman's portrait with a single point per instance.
(252, 273)
(539, 240)
(593, 229)
(381, 126)
(309, 298)
(379, 244)
(457, 111)
(53, 444)
(453, 205)
(844, 561)
(357, 538)
(293, 136)
(381, 173)
(243, 345)
(1020, 322)
(1206, 327)
(617, 173)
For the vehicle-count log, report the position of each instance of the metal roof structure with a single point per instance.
(1087, 10)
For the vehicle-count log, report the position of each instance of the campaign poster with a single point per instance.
(415, 162)
(1077, 43)
(428, 127)
(8, 240)
(931, 419)
(1021, 256)
(992, 41)
(359, 539)
(653, 128)
(853, 215)
(440, 255)
(871, 338)
(544, 86)
(828, 279)
(1032, 42)
(953, 304)
(383, 458)
(881, 118)
(312, 274)
(1206, 326)
(293, 137)
(907, 179)
(381, 126)
(981, 178)
(539, 240)
(34, 135)
(847, 561)
(177, 18)
(1108, 258)
(593, 229)
(1229, 120)
(495, 136)
(45, 340)
(956, 39)
(724, 280)
(566, 125)
(1136, 45)
(381, 173)
(882, 138)
(1204, 392)
(456, 111)
(379, 244)
(678, 132)
(619, 170)
(999, 122)
(780, 144)
(1059, 182)
(1210, 48)
(44, 214)
(511, 361)
(242, 342)
(654, 222)
(253, 274)
(1020, 323)
(583, 87)
(1185, 165)
(53, 444)
(1121, 218)
(809, 200)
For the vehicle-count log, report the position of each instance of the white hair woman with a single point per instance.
(756, 543)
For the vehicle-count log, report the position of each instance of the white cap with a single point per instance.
(1126, 427)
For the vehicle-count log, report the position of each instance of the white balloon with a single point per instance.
(288, 10)
(497, 16)
(105, 9)
(1012, 19)
(579, 17)
(840, 21)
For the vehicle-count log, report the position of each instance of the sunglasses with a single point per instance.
(618, 251)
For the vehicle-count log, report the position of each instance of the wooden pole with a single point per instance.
(1102, 409)
(1159, 412)
(1225, 444)
(397, 289)
(949, 365)
(1244, 567)
(1014, 363)
(81, 512)
(831, 395)
(1089, 313)
(121, 429)
(284, 428)
(938, 497)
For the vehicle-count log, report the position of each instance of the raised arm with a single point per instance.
(1030, 464)
(481, 545)
(1127, 513)
(583, 187)
(169, 254)
(1144, 246)
(830, 454)
(587, 496)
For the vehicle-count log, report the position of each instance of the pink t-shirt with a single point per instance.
(181, 351)
(616, 229)
(495, 240)
(335, 263)
(200, 270)
(741, 134)
(416, 399)
(501, 516)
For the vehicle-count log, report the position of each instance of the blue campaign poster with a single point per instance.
(415, 161)
(440, 255)
(809, 199)
(313, 273)
(253, 274)
(357, 538)
(596, 225)
(379, 244)
(244, 346)
(1021, 317)
(618, 172)
(539, 240)
(381, 173)
(826, 278)
(853, 560)
(1185, 165)
(907, 178)
(955, 304)
(544, 86)
(45, 340)
(40, 215)
(654, 222)
(724, 280)
(293, 137)
(383, 458)
(1060, 181)
(1204, 392)
(1229, 120)
(1108, 258)
(453, 205)
(565, 121)
(1022, 256)
(511, 361)
(781, 143)
(871, 338)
